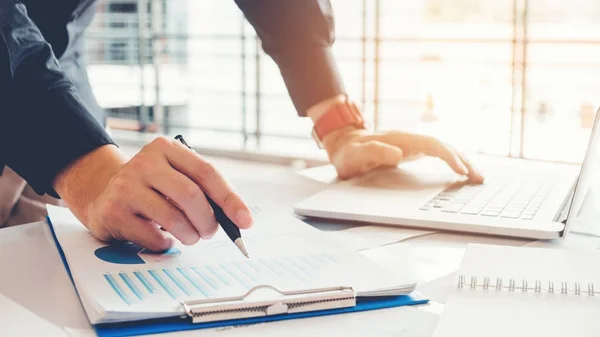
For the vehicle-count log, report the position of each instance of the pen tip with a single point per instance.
(242, 247)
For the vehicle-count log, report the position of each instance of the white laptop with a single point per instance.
(520, 198)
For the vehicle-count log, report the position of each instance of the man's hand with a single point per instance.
(354, 152)
(161, 186)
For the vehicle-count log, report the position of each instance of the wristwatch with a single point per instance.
(338, 116)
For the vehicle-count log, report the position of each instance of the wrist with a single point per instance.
(335, 121)
(80, 183)
(318, 110)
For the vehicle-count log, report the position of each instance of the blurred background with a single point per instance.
(506, 77)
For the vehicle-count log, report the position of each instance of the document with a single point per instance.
(18, 321)
(438, 289)
(366, 237)
(427, 259)
(124, 282)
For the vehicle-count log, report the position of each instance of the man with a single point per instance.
(50, 135)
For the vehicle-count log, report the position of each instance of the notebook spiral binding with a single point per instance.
(523, 285)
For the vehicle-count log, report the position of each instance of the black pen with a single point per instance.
(228, 226)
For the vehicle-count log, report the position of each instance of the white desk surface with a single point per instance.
(36, 293)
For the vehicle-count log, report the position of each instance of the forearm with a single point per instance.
(298, 35)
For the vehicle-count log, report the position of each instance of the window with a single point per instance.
(117, 24)
(123, 7)
(504, 77)
(118, 51)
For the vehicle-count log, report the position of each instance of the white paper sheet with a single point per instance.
(89, 332)
(365, 237)
(431, 256)
(587, 224)
(438, 289)
(572, 241)
(34, 277)
(18, 321)
(279, 194)
(119, 282)
(427, 260)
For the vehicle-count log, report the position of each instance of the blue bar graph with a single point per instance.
(162, 283)
(205, 277)
(310, 262)
(273, 269)
(209, 281)
(176, 281)
(297, 265)
(144, 281)
(254, 266)
(218, 275)
(117, 288)
(235, 275)
(302, 262)
(196, 285)
(289, 270)
(242, 267)
(330, 257)
(319, 259)
(129, 282)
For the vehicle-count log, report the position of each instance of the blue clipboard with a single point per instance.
(173, 324)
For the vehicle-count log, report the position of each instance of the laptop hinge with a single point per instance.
(564, 212)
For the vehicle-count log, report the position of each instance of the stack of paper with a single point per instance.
(123, 282)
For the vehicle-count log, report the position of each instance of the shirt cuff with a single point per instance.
(54, 139)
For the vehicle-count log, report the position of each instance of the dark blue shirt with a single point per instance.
(48, 114)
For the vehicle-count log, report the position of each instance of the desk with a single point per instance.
(33, 277)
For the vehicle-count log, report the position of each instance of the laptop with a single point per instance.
(520, 198)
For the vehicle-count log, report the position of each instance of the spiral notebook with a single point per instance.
(518, 291)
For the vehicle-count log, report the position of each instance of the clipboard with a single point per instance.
(205, 314)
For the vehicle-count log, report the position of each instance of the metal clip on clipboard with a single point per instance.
(287, 302)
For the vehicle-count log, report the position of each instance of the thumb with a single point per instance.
(374, 154)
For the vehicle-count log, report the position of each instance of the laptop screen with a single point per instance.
(587, 189)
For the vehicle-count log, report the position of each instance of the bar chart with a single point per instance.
(216, 280)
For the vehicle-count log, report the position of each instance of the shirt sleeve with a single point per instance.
(298, 35)
(44, 125)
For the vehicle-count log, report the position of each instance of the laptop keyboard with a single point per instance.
(508, 196)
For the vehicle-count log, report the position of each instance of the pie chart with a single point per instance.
(130, 253)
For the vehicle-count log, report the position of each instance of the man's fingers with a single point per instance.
(450, 157)
(145, 233)
(456, 161)
(205, 175)
(474, 175)
(153, 206)
(414, 143)
(186, 195)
